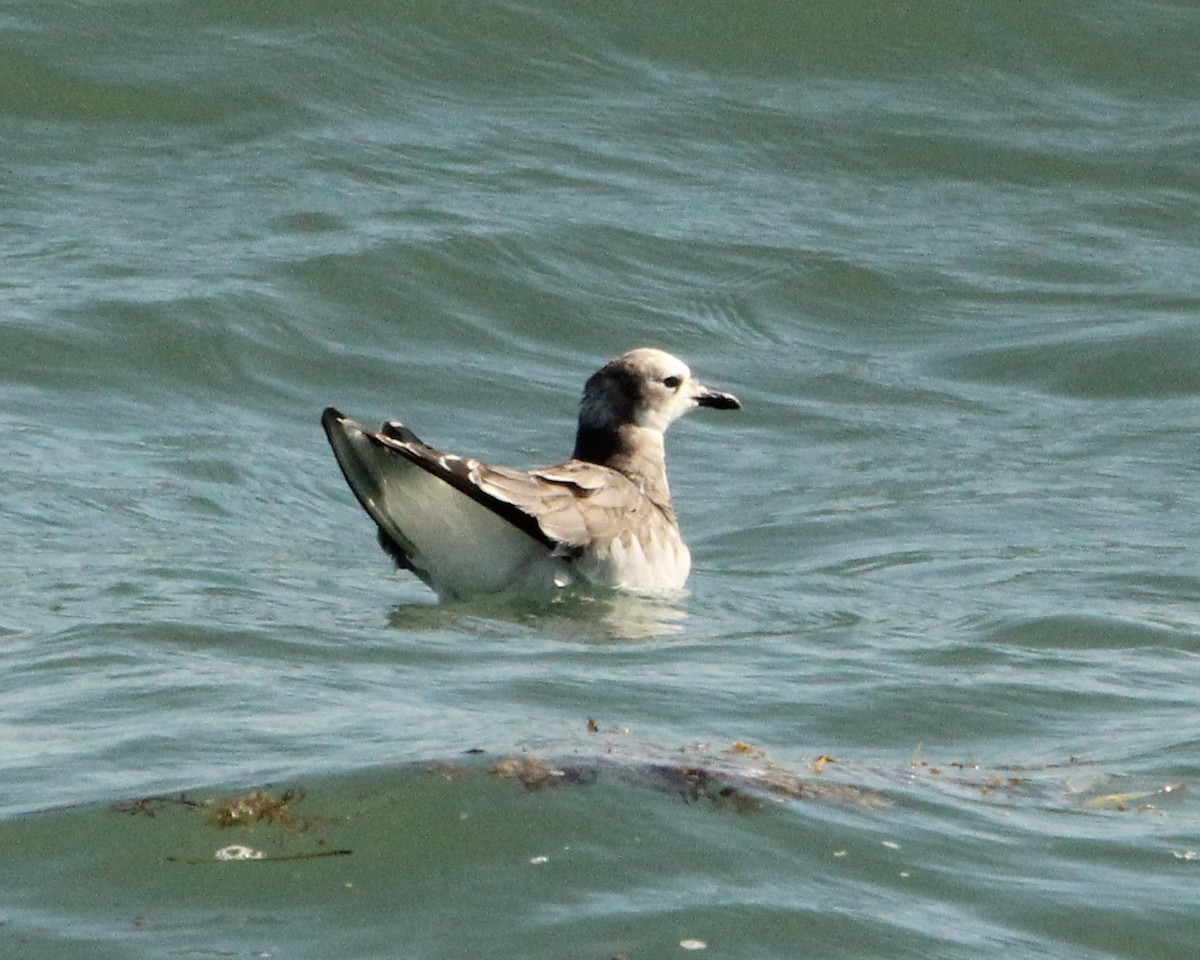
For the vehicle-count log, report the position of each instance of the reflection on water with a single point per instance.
(569, 615)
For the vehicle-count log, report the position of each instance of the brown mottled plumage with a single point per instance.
(605, 516)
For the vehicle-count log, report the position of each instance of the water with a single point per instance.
(945, 255)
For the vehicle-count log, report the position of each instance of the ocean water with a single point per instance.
(932, 692)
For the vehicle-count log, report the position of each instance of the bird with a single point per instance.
(604, 517)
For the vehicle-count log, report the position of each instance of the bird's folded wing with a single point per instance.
(566, 507)
(572, 505)
(470, 477)
(576, 503)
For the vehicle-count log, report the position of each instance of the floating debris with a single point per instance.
(711, 778)
(254, 808)
(1122, 800)
(449, 771)
(701, 783)
(147, 806)
(739, 777)
(238, 852)
(244, 810)
(533, 773)
(1071, 777)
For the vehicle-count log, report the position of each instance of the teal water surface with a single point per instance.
(931, 692)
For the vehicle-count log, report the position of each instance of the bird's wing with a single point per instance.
(566, 507)
(433, 515)
(466, 526)
(604, 504)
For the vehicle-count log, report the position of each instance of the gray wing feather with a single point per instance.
(574, 503)
(569, 506)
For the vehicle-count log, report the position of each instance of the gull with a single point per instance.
(603, 517)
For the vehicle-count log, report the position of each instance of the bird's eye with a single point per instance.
(672, 382)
